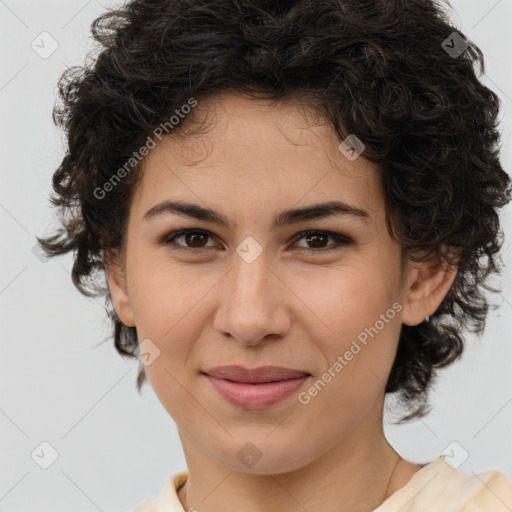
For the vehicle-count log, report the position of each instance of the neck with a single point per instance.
(357, 472)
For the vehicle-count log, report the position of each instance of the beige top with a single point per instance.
(436, 487)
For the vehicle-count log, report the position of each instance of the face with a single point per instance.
(319, 294)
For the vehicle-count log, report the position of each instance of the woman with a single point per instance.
(295, 206)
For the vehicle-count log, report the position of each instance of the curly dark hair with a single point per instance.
(378, 69)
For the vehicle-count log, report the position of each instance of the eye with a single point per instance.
(193, 236)
(316, 237)
(197, 238)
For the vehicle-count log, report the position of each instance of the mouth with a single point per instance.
(255, 389)
(263, 374)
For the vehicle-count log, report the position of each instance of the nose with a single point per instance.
(255, 302)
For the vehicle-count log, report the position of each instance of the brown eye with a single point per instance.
(319, 239)
(194, 239)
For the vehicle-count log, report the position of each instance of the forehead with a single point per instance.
(278, 130)
(267, 153)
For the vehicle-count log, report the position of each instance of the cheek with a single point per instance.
(356, 369)
(347, 299)
(351, 384)
(356, 329)
(162, 293)
(171, 324)
(167, 305)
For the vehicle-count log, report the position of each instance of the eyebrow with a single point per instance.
(286, 217)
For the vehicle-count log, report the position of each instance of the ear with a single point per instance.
(116, 279)
(427, 284)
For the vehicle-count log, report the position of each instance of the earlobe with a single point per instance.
(117, 285)
(428, 284)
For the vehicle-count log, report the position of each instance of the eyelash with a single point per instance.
(169, 238)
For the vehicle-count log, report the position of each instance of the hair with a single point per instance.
(377, 69)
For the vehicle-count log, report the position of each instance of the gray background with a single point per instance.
(61, 385)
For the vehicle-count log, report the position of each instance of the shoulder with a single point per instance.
(438, 486)
(147, 506)
(168, 500)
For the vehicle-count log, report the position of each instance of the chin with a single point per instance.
(263, 457)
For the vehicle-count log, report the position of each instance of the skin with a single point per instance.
(288, 308)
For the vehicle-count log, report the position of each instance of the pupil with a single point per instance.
(313, 236)
(193, 235)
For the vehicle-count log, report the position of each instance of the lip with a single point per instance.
(257, 388)
(237, 373)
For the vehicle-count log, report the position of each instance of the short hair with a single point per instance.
(396, 74)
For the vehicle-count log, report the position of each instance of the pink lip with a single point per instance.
(273, 384)
(239, 373)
